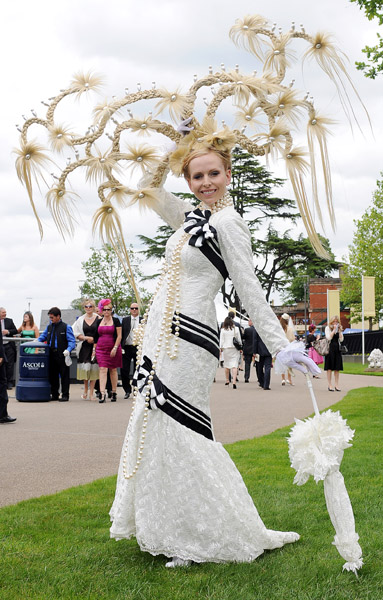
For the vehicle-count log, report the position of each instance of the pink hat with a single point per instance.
(103, 303)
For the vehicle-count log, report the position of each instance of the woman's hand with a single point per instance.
(113, 351)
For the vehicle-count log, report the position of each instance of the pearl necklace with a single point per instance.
(172, 310)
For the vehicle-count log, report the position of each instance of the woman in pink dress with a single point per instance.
(107, 348)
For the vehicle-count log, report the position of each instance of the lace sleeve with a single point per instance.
(169, 207)
(235, 244)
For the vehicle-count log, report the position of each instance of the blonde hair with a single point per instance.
(88, 301)
(331, 321)
(224, 155)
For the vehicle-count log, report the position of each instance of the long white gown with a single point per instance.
(187, 498)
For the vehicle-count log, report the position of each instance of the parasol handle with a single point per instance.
(313, 399)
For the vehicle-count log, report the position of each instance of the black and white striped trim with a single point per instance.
(212, 252)
(171, 404)
(197, 333)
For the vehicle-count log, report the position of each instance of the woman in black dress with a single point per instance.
(85, 329)
(333, 361)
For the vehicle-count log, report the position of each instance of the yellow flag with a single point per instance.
(368, 292)
(333, 304)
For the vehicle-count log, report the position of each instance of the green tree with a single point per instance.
(277, 254)
(304, 264)
(365, 257)
(106, 278)
(373, 9)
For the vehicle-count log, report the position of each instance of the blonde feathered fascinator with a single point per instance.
(266, 110)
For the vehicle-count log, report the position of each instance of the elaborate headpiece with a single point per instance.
(266, 111)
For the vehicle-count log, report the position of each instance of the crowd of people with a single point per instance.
(105, 343)
(240, 344)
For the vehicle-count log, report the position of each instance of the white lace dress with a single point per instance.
(187, 498)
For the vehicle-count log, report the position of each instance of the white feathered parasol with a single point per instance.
(316, 447)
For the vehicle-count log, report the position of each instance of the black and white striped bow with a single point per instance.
(197, 224)
(141, 380)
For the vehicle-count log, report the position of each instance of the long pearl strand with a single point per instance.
(172, 309)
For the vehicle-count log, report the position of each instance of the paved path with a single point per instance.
(56, 445)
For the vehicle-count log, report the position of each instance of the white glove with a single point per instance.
(68, 360)
(294, 356)
(183, 128)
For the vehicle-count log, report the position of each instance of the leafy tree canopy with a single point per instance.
(373, 9)
(105, 278)
(366, 257)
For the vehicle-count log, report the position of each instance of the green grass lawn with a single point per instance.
(58, 547)
(358, 369)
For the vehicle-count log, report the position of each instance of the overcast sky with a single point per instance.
(44, 43)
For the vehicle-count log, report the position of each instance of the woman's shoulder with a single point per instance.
(117, 322)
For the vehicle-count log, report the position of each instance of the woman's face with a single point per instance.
(89, 308)
(208, 178)
(107, 310)
(26, 319)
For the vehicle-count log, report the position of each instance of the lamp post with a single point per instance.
(29, 303)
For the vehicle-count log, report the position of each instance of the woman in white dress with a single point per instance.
(178, 491)
(231, 356)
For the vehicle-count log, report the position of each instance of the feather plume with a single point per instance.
(101, 166)
(247, 116)
(178, 105)
(330, 59)
(316, 131)
(30, 165)
(176, 158)
(84, 82)
(60, 203)
(103, 111)
(144, 198)
(289, 106)
(106, 221)
(117, 192)
(275, 138)
(208, 134)
(143, 157)
(247, 85)
(244, 33)
(143, 126)
(278, 58)
(297, 167)
(59, 137)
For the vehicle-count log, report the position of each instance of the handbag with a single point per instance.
(343, 348)
(237, 345)
(322, 346)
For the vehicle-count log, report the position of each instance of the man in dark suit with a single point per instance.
(61, 341)
(264, 361)
(4, 416)
(248, 343)
(9, 329)
(129, 350)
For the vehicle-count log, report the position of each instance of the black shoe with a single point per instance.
(54, 398)
(114, 397)
(109, 395)
(7, 419)
(266, 389)
(234, 386)
(102, 398)
(64, 399)
(9, 386)
(126, 396)
(246, 381)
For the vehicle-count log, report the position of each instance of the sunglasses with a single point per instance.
(88, 305)
(134, 308)
(108, 309)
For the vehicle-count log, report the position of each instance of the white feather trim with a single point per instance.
(316, 445)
